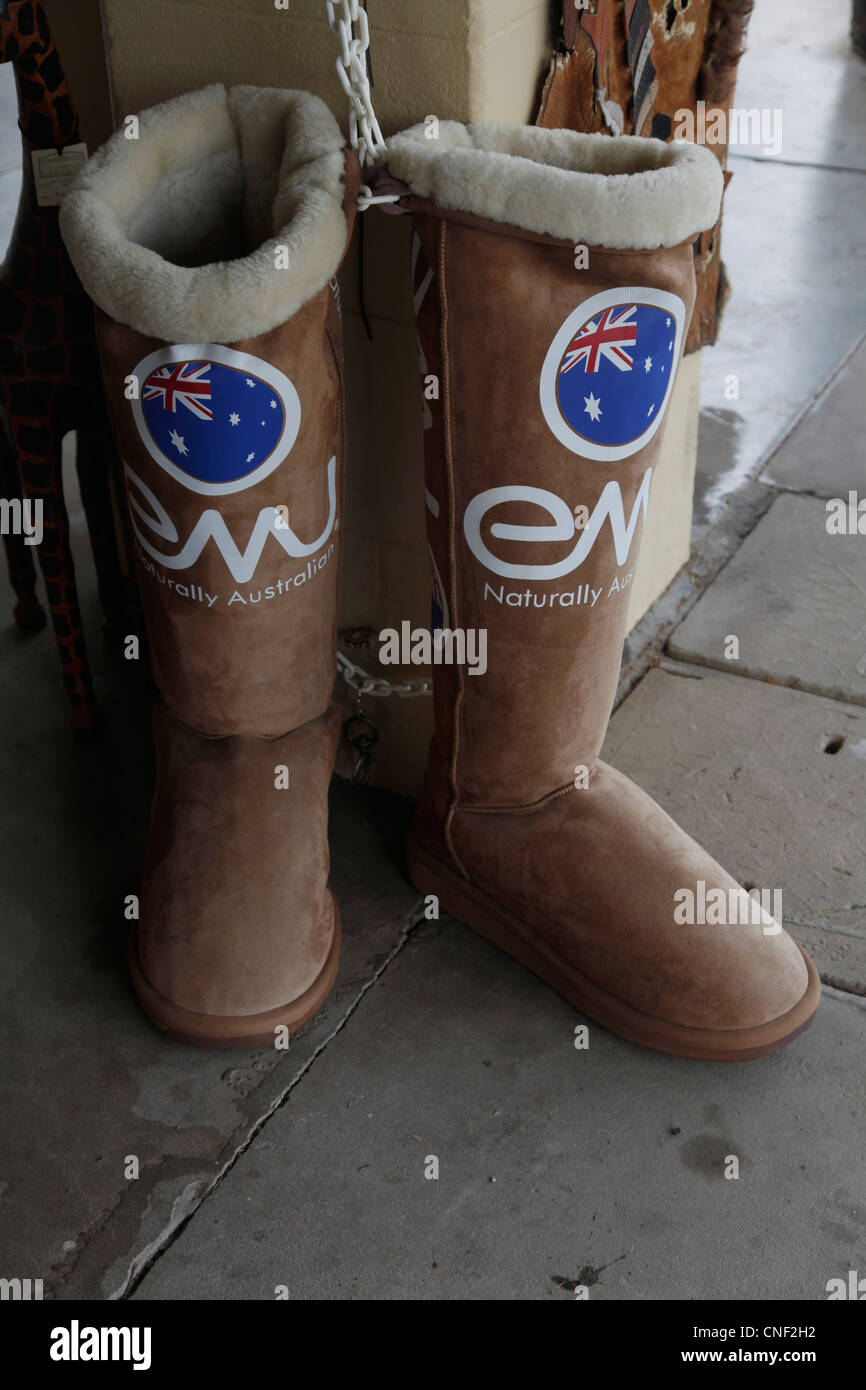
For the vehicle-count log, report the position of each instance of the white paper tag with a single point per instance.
(54, 172)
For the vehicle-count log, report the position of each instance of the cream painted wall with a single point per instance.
(472, 59)
(77, 29)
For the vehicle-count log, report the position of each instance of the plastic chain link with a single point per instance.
(367, 141)
(365, 136)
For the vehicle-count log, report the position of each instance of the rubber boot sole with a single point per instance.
(486, 917)
(227, 1031)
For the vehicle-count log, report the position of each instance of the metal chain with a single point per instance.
(362, 734)
(365, 684)
(366, 139)
(359, 730)
(365, 135)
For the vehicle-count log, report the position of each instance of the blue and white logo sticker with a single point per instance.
(609, 371)
(217, 420)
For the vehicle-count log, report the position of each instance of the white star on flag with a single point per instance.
(273, 405)
(647, 364)
(250, 381)
(650, 411)
(177, 441)
(234, 418)
(250, 458)
(592, 408)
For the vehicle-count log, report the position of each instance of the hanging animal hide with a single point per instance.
(629, 67)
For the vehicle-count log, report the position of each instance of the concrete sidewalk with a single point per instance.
(605, 1168)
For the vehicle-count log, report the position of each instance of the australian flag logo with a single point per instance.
(610, 370)
(213, 422)
(614, 374)
(218, 421)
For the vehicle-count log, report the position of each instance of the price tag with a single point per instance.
(55, 171)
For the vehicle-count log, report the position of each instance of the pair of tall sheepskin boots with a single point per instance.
(554, 284)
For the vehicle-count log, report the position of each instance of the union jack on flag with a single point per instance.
(605, 337)
(181, 383)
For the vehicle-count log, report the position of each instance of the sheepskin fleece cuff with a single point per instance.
(177, 233)
(601, 190)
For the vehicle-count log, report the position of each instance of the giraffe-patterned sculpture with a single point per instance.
(49, 371)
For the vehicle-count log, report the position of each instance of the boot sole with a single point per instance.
(478, 911)
(232, 1032)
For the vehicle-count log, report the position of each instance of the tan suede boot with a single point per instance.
(208, 244)
(554, 285)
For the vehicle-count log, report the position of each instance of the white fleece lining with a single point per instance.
(176, 233)
(600, 190)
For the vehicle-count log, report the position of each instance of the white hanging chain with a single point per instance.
(365, 684)
(365, 136)
(367, 141)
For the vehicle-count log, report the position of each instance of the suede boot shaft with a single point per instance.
(554, 284)
(232, 439)
(543, 543)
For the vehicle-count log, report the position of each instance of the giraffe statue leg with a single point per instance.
(28, 612)
(92, 462)
(42, 480)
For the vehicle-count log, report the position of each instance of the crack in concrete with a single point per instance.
(645, 644)
(855, 933)
(196, 1193)
(844, 996)
(669, 669)
(787, 681)
(712, 548)
(792, 425)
